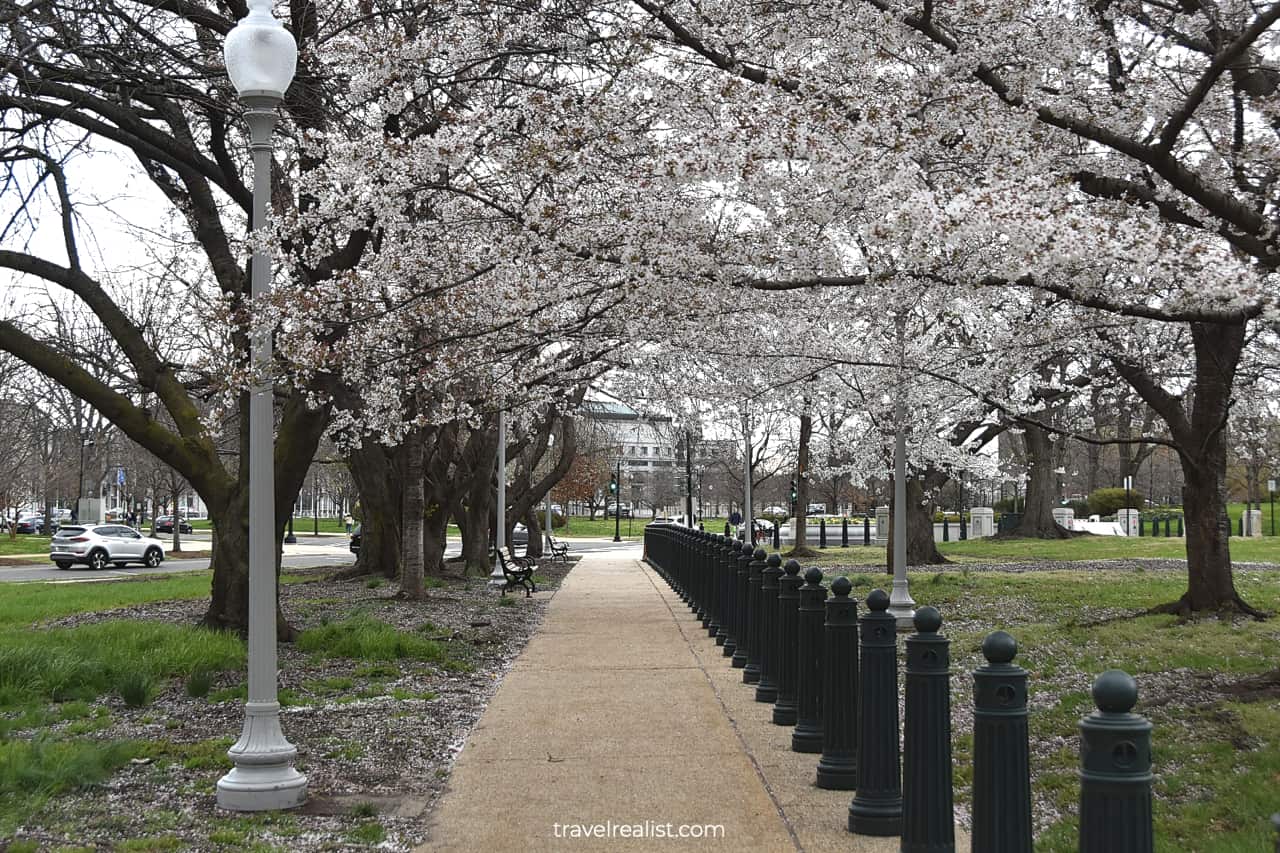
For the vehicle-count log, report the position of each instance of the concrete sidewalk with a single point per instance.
(622, 717)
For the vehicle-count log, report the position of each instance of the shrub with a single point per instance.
(136, 688)
(198, 684)
(1107, 501)
(362, 637)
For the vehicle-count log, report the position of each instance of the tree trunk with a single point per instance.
(1037, 513)
(412, 578)
(534, 528)
(801, 548)
(921, 549)
(377, 473)
(435, 529)
(229, 602)
(1201, 438)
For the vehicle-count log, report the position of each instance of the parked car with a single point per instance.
(354, 545)
(519, 535)
(33, 524)
(164, 524)
(96, 545)
(776, 510)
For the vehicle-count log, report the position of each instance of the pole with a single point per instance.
(617, 505)
(901, 605)
(500, 535)
(264, 776)
(688, 478)
(747, 519)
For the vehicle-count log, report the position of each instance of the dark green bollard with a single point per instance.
(767, 688)
(1115, 771)
(877, 807)
(1168, 526)
(777, 536)
(964, 530)
(1180, 531)
(728, 590)
(712, 585)
(785, 707)
(808, 734)
(838, 766)
(866, 530)
(844, 533)
(928, 822)
(751, 672)
(741, 576)
(1141, 523)
(822, 533)
(946, 529)
(1001, 754)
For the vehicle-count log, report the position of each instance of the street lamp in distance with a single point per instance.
(261, 58)
(615, 484)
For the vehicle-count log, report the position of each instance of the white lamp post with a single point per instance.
(901, 604)
(261, 57)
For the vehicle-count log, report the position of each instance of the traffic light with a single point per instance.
(613, 484)
(794, 494)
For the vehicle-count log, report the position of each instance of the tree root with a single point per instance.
(803, 551)
(1183, 610)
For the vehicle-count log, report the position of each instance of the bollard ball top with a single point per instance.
(774, 560)
(840, 586)
(1115, 692)
(792, 567)
(999, 647)
(927, 620)
(878, 600)
(748, 549)
(814, 575)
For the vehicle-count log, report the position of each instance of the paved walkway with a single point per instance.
(621, 716)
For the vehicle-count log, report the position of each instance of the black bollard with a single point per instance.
(928, 819)
(1168, 521)
(1141, 522)
(866, 530)
(1115, 771)
(767, 688)
(1180, 536)
(712, 585)
(751, 672)
(822, 532)
(777, 535)
(1001, 754)
(844, 533)
(964, 530)
(946, 529)
(877, 807)
(808, 734)
(728, 587)
(741, 560)
(838, 766)
(728, 531)
(786, 707)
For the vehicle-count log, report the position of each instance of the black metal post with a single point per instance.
(877, 807)
(946, 528)
(741, 560)
(808, 734)
(964, 528)
(866, 530)
(289, 537)
(838, 766)
(777, 535)
(928, 823)
(1273, 524)
(1001, 753)
(727, 571)
(1115, 771)
(617, 504)
(786, 707)
(751, 672)
(688, 478)
(844, 532)
(1168, 521)
(822, 532)
(767, 688)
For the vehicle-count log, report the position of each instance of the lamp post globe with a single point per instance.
(261, 57)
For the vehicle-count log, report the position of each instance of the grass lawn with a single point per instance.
(24, 543)
(302, 525)
(1264, 550)
(1216, 743)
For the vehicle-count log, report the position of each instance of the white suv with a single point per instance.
(96, 545)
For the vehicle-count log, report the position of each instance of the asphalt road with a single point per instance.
(308, 553)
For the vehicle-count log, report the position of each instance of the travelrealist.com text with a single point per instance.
(641, 829)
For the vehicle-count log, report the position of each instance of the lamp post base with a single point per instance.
(902, 605)
(264, 778)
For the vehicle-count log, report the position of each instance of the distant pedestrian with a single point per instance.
(133, 518)
(735, 518)
(347, 520)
